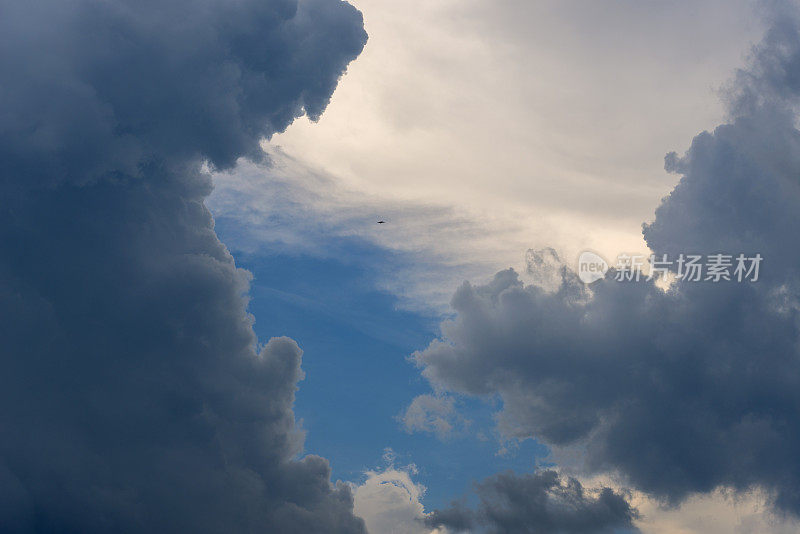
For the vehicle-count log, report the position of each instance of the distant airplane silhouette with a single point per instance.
(381, 222)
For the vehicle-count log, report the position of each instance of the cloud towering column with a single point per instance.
(133, 395)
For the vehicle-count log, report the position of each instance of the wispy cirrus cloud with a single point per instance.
(290, 207)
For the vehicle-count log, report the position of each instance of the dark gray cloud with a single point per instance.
(92, 88)
(133, 393)
(680, 391)
(541, 503)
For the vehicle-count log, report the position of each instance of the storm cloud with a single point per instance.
(542, 503)
(680, 391)
(134, 394)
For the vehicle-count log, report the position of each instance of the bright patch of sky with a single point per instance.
(543, 123)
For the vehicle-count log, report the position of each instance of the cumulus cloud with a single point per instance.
(135, 396)
(681, 391)
(544, 503)
(544, 268)
(720, 512)
(434, 414)
(391, 502)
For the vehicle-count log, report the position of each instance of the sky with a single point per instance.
(205, 329)
(533, 120)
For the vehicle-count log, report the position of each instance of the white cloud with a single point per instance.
(390, 502)
(483, 129)
(534, 119)
(717, 513)
(434, 414)
(292, 206)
